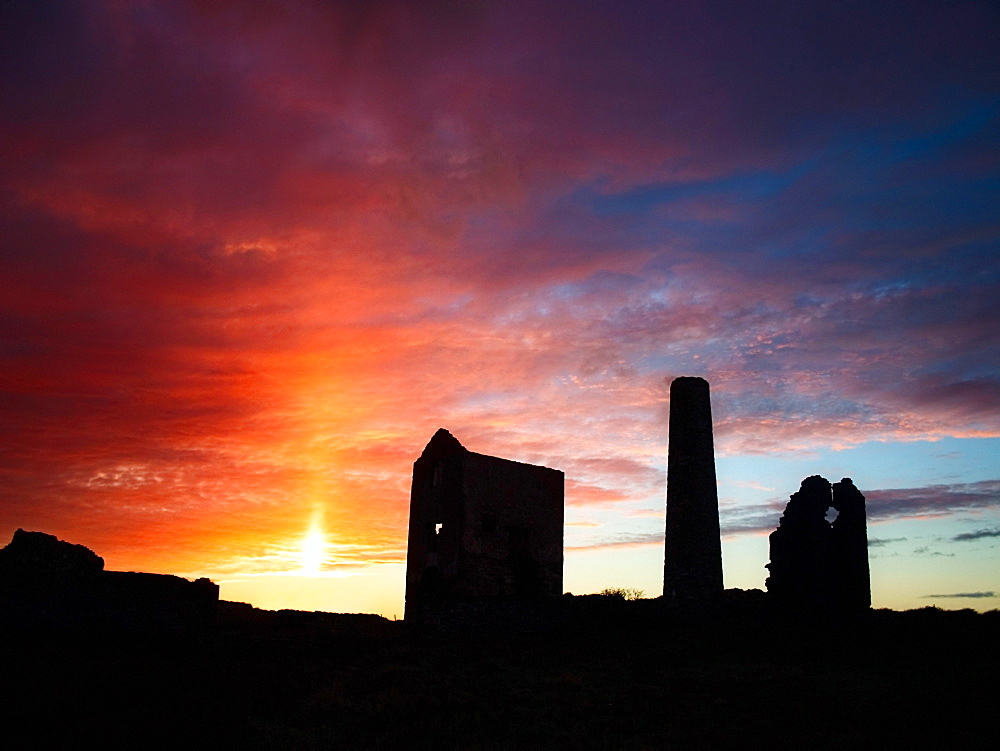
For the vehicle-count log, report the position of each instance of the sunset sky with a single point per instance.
(252, 255)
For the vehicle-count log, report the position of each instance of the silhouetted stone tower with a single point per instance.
(481, 529)
(692, 567)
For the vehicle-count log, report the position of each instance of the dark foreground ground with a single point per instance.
(609, 675)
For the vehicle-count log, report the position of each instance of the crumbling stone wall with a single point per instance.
(849, 547)
(817, 564)
(34, 556)
(47, 583)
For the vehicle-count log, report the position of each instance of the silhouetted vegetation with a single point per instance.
(623, 593)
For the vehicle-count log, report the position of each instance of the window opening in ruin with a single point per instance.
(438, 476)
(433, 530)
(832, 514)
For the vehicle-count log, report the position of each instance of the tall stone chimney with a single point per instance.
(692, 568)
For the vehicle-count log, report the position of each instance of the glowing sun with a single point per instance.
(313, 551)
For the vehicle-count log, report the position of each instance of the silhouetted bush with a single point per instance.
(622, 593)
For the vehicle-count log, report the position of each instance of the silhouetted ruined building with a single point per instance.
(481, 528)
(50, 584)
(817, 564)
(692, 568)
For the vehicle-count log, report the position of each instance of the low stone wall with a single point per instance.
(49, 584)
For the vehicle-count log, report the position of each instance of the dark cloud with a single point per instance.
(875, 542)
(925, 550)
(964, 595)
(977, 535)
(932, 500)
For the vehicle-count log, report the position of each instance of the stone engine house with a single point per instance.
(481, 528)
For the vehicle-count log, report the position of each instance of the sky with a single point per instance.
(254, 254)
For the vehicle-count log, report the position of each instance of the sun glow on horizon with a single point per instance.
(313, 550)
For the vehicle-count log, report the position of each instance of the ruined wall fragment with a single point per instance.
(850, 547)
(49, 584)
(818, 565)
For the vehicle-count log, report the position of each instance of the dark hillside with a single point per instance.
(611, 674)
